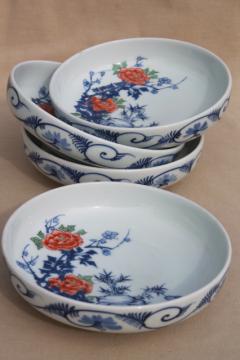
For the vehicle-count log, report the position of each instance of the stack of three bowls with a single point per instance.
(129, 110)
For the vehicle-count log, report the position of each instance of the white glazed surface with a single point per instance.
(25, 81)
(178, 244)
(199, 99)
(68, 172)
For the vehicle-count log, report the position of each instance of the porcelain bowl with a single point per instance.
(142, 92)
(65, 171)
(82, 255)
(29, 101)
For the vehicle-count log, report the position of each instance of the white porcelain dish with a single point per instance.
(29, 101)
(82, 255)
(142, 92)
(66, 171)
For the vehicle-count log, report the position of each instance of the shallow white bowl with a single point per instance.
(83, 255)
(144, 91)
(28, 99)
(66, 171)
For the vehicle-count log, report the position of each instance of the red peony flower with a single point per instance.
(71, 284)
(62, 240)
(103, 105)
(47, 107)
(135, 76)
(54, 282)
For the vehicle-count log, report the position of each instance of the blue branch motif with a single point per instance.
(68, 252)
(107, 104)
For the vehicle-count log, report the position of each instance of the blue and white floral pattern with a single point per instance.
(68, 253)
(113, 321)
(172, 135)
(191, 130)
(54, 138)
(88, 151)
(67, 174)
(117, 103)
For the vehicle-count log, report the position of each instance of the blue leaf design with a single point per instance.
(54, 171)
(49, 264)
(74, 175)
(142, 163)
(170, 137)
(106, 252)
(197, 129)
(187, 167)
(135, 319)
(208, 297)
(91, 252)
(164, 81)
(148, 180)
(52, 223)
(25, 251)
(99, 322)
(22, 266)
(102, 241)
(164, 180)
(33, 261)
(110, 235)
(86, 83)
(55, 139)
(80, 143)
(34, 122)
(214, 116)
(35, 157)
(60, 309)
(107, 135)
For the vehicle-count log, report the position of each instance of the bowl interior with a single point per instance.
(90, 243)
(33, 80)
(139, 83)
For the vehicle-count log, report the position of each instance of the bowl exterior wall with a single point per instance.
(66, 172)
(114, 319)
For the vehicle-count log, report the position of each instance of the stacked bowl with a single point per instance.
(130, 110)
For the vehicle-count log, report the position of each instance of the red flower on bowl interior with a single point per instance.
(71, 284)
(107, 105)
(55, 282)
(135, 76)
(47, 107)
(62, 240)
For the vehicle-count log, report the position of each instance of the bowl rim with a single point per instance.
(121, 147)
(144, 171)
(181, 123)
(117, 308)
